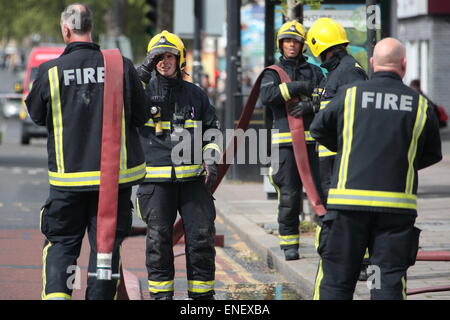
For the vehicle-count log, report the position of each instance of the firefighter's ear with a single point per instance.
(404, 64)
(371, 63)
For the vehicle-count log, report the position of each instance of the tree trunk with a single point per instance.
(165, 15)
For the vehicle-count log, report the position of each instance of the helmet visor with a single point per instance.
(291, 36)
(163, 49)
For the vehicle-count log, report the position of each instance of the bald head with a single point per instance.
(389, 55)
(76, 23)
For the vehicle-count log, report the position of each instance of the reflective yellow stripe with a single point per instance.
(159, 172)
(324, 152)
(323, 104)
(212, 146)
(123, 149)
(166, 125)
(277, 189)
(319, 278)
(349, 117)
(200, 286)
(138, 209)
(44, 268)
(57, 296)
(285, 137)
(40, 218)
(316, 242)
(285, 92)
(191, 124)
(80, 179)
(369, 198)
(366, 255)
(57, 118)
(288, 240)
(160, 286)
(188, 171)
(421, 118)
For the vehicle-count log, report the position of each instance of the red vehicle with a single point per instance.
(37, 56)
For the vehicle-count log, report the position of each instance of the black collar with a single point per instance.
(386, 74)
(71, 47)
(294, 63)
(332, 63)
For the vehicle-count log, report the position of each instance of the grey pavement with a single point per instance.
(244, 206)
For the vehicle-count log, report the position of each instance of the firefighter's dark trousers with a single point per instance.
(392, 240)
(158, 204)
(288, 185)
(64, 220)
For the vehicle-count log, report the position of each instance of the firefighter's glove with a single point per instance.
(302, 108)
(146, 68)
(211, 175)
(304, 87)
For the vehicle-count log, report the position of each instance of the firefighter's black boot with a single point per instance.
(291, 254)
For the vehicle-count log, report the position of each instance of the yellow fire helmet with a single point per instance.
(291, 30)
(325, 33)
(167, 42)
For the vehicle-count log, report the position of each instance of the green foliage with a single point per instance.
(20, 19)
(314, 4)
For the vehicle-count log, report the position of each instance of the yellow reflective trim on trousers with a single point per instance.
(44, 268)
(317, 239)
(277, 189)
(371, 198)
(349, 117)
(57, 118)
(57, 296)
(285, 92)
(123, 149)
(288, 240)
(138, 208)
(92, 178)
(319, 278)
(40, 218)
(200, 286)
(421, 118)
(366, 255)
(160, 286)
(212, 146)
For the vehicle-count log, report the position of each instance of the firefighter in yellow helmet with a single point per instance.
(327, 39)
(174, 184)
(274, 94)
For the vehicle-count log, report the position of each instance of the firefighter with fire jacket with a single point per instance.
(177, 181)
(327, 39)
(67, 97)
(274, 94)
(383, 133)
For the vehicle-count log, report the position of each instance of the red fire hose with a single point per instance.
(110, 159)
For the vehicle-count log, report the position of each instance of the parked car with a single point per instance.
(37, 56)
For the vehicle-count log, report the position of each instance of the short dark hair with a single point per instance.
(78, 17)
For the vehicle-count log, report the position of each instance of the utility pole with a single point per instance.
(234, 69)
(371, 6)
(198, 37)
